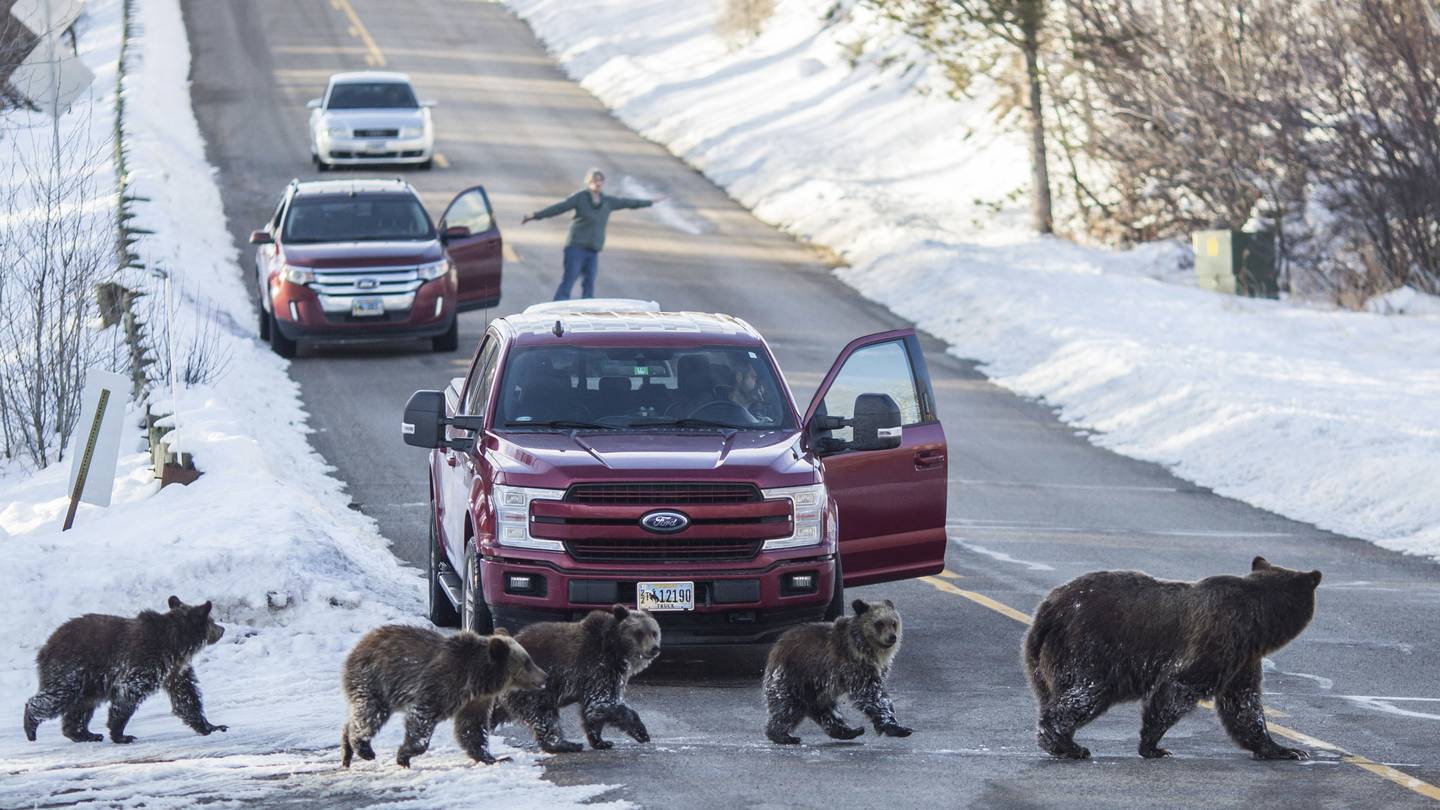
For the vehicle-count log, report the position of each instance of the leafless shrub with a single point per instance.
(200, 355)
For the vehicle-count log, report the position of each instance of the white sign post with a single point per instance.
(95, 446)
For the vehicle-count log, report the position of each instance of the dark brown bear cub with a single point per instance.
(98, 658)
(432, 678)
(1116, 636)
(814, 666)
(589, 662)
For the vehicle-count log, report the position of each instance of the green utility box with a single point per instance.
(1237, 263)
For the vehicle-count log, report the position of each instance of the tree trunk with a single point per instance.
(1039, 170)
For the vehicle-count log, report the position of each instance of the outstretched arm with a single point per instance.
(567, 204)
(184, 693)
(871, 699)
(632, 202)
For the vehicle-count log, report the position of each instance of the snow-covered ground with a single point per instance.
(295, 575)
(1321, 415)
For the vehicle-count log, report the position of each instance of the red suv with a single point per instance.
(346, 261)
(657, 459)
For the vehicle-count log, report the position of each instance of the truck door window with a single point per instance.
(883, 368)
(480, 382)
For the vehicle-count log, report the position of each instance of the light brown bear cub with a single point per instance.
(814, 666)
(431, 677)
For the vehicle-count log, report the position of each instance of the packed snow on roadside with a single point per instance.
(295, 576)
(1321, 415)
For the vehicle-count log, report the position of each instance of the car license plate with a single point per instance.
(376, 146)
(665, 595)
(367, 307)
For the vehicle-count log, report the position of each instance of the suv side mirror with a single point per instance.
(876, 423)
(261, 238)
(454, 232)
(313, 104)
(424, 423)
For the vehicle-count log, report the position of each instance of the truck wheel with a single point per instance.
(442, 612)
(450, 341)
(283, 346)
(475, 615)
(836, 608)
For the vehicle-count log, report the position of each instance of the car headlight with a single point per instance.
(412, 132)
(433, 270)
(808, 506)
(512, 516)
(338, 132)
(297, 275)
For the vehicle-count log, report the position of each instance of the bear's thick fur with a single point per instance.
(814, 666)
(432, 677)
(589, 662)
(1116, 636)
(96, 658)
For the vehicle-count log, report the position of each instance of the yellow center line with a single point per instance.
(1386, 772)
(373, 55)
(510, 254)
(442, 161)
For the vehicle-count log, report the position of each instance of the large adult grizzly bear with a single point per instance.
(1116, 636)
(432, 677)
(96, 658)
(589, 662)
(814, 666)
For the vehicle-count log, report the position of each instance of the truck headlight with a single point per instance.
(297, 275)
(808, 506)
(512, 516)
(434, 270)
(411, 132)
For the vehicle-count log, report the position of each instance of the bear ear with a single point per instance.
(205, 608)
(500, 631)
(1259, 563)
(1314, 579)
(499, 648)
(889, 604)
(859, 606)
(174, 602)
(620, 612)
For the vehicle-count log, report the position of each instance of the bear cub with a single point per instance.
(814, 666)
(98, 658)
(432, 677)
(1114, 636)
(589, 662)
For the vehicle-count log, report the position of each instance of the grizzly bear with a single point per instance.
(1116, 636)
(432, 677)
(589, 662)
(96, 658)
(814, 666)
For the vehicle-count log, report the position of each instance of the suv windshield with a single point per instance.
(371, 96)
(641, 388)
(359, 218)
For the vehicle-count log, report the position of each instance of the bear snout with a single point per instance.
(214, 633)
(653, 652)
(889, 641)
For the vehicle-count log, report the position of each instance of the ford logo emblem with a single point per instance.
(664, 522)
(367, 284)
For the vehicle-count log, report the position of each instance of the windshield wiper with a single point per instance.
(688, 421)
(576, 424)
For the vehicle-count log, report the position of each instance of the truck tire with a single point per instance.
(836, 608)
(281, 345)
(450, 341)
(442, 612)
(475, 614)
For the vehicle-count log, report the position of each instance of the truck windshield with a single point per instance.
(359, 218)
(641, 388)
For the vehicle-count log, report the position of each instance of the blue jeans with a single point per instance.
(583, 263)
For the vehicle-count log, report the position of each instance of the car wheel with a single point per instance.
(442, 611)
(836, 608)
(428, 164)
(320, 165)
(474, 614)
(281, 345)
(450, 341)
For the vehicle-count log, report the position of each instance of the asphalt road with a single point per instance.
(1032, 502)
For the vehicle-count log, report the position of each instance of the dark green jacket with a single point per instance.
(587, 229)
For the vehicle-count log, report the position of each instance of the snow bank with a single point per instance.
(1324, 416)
(295, 575)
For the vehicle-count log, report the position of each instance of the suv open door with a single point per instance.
(890, 491)
(472, 241)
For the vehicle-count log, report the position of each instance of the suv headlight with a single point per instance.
(297, 275)
(338, 132)
(809, 504)
(512, 516)
(411, 132)
(434, 270)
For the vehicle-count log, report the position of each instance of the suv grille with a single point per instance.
(663, 494)
(666, 550)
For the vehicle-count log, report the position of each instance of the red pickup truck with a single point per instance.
(657, 459)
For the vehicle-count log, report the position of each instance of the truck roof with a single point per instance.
(619, 327)
(362, 185)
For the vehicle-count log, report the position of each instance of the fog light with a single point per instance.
(794, 584)
(439, 306)
(517, 582)
(802, 582)
(294, 312)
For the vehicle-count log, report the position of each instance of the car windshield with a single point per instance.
(641, 388)
(359, 218)
(372, 96)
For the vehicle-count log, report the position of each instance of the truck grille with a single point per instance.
(666, 550)
(662, 494)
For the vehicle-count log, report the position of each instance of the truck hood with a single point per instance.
(556, 460)
(363, 254)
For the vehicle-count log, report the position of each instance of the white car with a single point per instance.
(370, 117)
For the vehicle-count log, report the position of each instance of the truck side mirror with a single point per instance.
(424, 422)
(876, 424)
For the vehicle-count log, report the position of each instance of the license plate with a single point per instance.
(376, 146)
(367, 307)
(665, 595)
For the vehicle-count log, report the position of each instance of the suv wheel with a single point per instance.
(474, 614)
(836, 608)
(442, 612)
(450, 341)
(264, 323)
(283, 346)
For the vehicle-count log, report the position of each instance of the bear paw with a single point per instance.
(561, 747)
(90, 736)
(1154, 752)
(846, 732)
(784, 739)
(1281, 752)
(895, 730)
(1071, 752)
(403, 761)
(640, 735)
(601, 745)
(365, 750)
(210, 728)
(122, 739)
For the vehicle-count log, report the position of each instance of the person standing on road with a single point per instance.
(587, 231)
